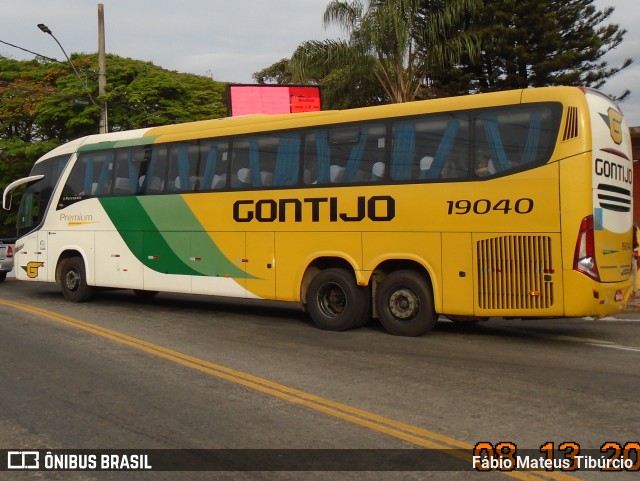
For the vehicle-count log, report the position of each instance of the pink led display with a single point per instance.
(273, 99)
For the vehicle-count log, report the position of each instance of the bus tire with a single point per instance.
(405, 304)
(73, 280)
(336, 303)
(3, 276)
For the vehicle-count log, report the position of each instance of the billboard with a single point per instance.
(272, 99)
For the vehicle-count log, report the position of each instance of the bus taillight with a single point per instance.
(584, 259)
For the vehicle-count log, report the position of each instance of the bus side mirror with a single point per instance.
(6, 200)
(8, 191)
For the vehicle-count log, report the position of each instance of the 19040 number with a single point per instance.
(484, 206)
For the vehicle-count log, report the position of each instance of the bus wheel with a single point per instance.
(73, 280)
(405, 304)
(336, 303)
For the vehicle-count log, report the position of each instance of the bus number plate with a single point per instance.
(484, 206)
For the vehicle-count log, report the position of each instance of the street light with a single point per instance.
(46, 29)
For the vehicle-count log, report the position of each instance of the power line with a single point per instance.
(29, 51)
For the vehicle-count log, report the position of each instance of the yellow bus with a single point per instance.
(511, 204)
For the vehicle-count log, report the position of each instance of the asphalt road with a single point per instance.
(186, 372)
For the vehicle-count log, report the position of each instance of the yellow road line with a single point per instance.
(407, 432)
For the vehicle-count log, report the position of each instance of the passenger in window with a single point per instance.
(485, 167)
(425, 166)
(377, 171)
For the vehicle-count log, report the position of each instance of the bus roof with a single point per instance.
(262, 122)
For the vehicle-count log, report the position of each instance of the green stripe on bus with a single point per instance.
(173, 217)
(114, 144)
(161, 231)
(140, 234)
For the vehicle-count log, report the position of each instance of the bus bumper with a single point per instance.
(586, 297)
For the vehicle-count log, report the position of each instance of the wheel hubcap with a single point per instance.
(72, 280)
(332, 300)
(404, 304)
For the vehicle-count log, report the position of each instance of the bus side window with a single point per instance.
(447, 137)
(433, 147)
(102, 173)
(266, 160)
(127, 173)
(403, 154)
(287, 168)
(455, 142)
(183, 167)
(343, 155)
(316, 157)
(91, 176)
(74, 187)
(347, 145)
(250, 164)
(511, 138)
(153, 169)
(213, 165)
(367, 163)
(491, 141)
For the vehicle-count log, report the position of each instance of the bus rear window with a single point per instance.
(514, 138)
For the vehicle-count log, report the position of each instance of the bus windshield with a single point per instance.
(37, 195)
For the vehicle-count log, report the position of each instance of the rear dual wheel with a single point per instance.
(405, 303)
(336, 303)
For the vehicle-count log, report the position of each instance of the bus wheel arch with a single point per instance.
(71, 274)
(333, 298)
(404, 298)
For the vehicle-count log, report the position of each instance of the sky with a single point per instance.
(228, 40)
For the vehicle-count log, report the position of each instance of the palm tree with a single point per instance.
(398, 41)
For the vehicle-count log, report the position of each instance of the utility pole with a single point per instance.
(102, 73)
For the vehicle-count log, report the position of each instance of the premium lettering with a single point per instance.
(76, 217)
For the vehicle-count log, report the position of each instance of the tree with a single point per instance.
(396, 41)
(141, 94)
(346, 77)
(278, 73)
(42, 100)
(23, 88)
(534, 43)
(43, 104)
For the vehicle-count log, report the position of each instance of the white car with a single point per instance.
(6, 260)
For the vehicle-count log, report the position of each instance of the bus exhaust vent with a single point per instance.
(515, 272)
(571, 125)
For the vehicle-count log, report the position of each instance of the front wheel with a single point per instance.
(73, 280)
(336, 303)
(405, 304)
